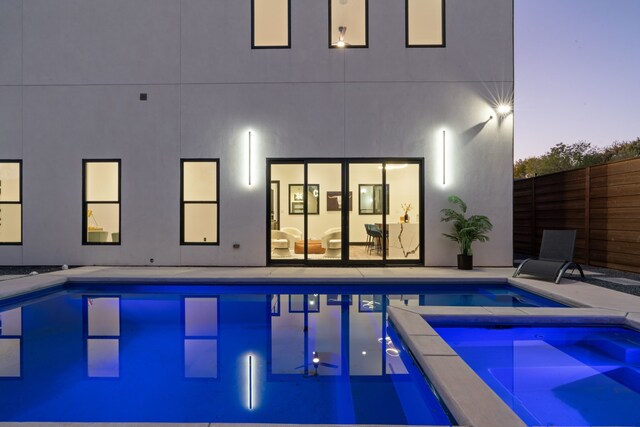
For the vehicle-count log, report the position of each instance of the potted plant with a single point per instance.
(465, 231)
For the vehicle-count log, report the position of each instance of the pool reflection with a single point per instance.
(182, 357)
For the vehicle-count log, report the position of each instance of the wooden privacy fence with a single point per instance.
(602, 202)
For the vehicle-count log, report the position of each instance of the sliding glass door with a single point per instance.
(345, 211)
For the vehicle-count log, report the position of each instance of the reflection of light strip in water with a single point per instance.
(250, 380)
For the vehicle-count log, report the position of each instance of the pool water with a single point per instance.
(568, 376)
(207, 354)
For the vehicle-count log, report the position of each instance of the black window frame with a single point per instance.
(406, 28)
(216, 202)
(253, 29)
(85, 202)
(366, 29)
(19, 202)
(373, 188)
(345, 260)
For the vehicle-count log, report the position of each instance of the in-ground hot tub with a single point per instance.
(556, 375)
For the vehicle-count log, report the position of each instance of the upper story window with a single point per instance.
(348, 23)
(270, 24)
(425, 23)
(10, 202)
(101, 202)
(199, 202)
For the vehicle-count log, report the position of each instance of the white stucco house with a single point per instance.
(233, 132)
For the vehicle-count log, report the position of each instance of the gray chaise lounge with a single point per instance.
(556, 256)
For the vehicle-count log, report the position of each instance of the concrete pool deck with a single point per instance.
(468, 398)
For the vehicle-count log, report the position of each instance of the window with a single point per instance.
(425, 23)
(199, 202)
(10, 202)
(370, 199)
(101, 202)
(348, 23)
(270, 24)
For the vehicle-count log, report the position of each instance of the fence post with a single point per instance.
(587, 214)
(533, 217)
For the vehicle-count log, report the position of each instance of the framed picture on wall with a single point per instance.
(334, 200)
(296, 199)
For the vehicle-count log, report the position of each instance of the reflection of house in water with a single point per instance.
(10, 343)
(349, 334)
(185, 358)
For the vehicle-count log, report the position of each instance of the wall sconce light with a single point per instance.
(503, 109)
(249, 158)
(444, 158)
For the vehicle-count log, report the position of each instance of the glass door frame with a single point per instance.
(344, 260)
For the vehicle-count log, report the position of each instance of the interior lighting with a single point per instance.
(394, 166)
(341, 43)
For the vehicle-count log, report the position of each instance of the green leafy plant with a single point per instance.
(465, 231)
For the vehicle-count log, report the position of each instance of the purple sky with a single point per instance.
(577, 73)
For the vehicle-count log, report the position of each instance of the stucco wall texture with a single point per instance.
(71, 72)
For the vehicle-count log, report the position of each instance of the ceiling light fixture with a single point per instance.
(391, 167)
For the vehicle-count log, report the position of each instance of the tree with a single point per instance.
(564, 157)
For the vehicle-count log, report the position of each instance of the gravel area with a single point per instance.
(598, 276)
(7, 273)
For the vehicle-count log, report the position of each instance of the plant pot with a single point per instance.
(465, 262)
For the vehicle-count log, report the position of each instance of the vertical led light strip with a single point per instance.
(250, 378)
(444, 158)
(249, 161)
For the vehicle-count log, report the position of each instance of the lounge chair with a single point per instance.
(556, 256)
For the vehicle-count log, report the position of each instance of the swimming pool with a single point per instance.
(569, 376)
(207, 354)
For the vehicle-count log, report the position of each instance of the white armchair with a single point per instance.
(332, 243)
(280, 243)
(291, 234)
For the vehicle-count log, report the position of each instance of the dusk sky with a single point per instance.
(577, 73)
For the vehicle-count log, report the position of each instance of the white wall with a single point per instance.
(71, 72)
